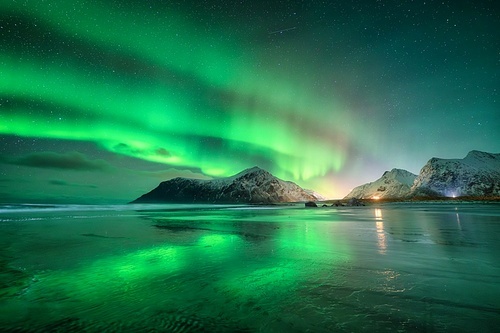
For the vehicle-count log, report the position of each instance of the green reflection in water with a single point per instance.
(115, 278)
(300, 254)
(219, 241)
(275, 271)
(244, 265)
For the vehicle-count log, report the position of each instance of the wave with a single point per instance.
(30, 208)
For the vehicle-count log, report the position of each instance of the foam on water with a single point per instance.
(20, 208)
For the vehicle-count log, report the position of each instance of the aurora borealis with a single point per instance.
(101, 100)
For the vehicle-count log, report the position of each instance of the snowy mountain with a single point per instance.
(252, 185)
(316, 195)
(393, 184)
(478, 174)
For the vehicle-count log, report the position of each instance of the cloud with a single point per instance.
(162, 152)
(59, 182)
(173, 173)
(67, 161)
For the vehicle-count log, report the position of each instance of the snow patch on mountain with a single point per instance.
(253, 185)
(393, 184)
(316, 195)
(478, 174)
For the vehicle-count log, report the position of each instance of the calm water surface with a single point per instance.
(179, 268)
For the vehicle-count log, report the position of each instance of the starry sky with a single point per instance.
(100, 100)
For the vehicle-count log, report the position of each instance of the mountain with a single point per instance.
(316, 195)
(252, 185)
(393, 184)
(478, 174)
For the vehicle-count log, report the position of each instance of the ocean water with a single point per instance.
(182, 268)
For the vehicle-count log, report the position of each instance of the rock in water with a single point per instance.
(355, 202)
(252, 185)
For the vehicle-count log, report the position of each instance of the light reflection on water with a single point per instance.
(247, 269)
(382, 244)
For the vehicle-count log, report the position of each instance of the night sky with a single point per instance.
(102, 100)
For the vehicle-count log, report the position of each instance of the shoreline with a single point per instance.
(418, 199)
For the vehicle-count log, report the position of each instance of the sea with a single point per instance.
(383, 267)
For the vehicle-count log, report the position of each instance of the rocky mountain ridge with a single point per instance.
(393, 184)
(476, 175)
(253, 185)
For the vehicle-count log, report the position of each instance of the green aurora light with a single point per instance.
(329, 95)
(251, 113)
